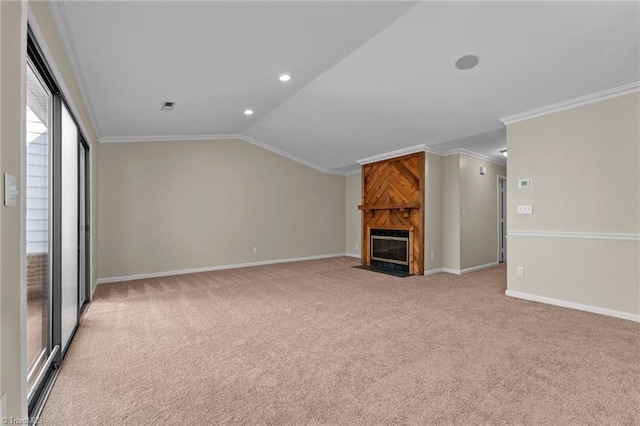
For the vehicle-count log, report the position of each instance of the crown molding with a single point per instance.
(475, 155)
(169, 138)
(396, 153)
(353, 172)
(244, 138)
(572, 103)
(61, 20)
(263, 145)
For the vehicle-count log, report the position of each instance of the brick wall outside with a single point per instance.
(37, 274)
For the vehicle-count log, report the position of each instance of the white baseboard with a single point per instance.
(213, 268)
(477, 268)
(466, 271)
(433, 271)
(573, 305)
(353, 255)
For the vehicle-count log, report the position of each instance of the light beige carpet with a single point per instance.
(320, 342)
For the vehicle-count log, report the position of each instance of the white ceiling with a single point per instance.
(368, 77)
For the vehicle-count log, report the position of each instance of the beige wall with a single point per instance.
(12, 42)
(469, 212)
(433, 212)
(353, 235)
(478, 212)
(13, 15)
(168, 206)
(451, 212)
(585, 166)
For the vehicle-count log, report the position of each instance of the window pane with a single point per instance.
(37, 224)
(69, 230)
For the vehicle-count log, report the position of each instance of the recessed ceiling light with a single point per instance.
(248, 112)
(284, 77)
(467, 62)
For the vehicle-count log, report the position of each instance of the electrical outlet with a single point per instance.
(433, 256)
(255, 249)
(520, 271)
(356, 247)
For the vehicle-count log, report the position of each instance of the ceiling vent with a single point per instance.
(168, 106)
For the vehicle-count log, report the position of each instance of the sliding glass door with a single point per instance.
(38, 225)
(69, 226)
(56, 226)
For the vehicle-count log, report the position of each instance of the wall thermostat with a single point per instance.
(524, 183)
(483, 170)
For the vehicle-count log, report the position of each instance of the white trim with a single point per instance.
(169, 138)
(263, 145)
(469, 270)
(353, 172)
(433, 271)
(479, 267)
(244, 138)
(502, 163)
(583, 235)
(572, 103)
(61, 20)
(357, 256)
(214, 268)
(393, 154)
(573, 305)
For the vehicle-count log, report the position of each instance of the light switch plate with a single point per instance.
(525, 209)
(10, 190)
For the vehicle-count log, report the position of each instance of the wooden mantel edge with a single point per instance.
(398, 206)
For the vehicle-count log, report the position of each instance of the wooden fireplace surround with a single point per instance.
(393, 198)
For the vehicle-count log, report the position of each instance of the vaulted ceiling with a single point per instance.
(368, 77)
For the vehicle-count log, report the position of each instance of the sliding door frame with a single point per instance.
(56, 354)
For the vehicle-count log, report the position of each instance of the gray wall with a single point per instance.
(585, 166)
(171, 206)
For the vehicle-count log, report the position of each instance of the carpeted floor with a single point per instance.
(321, 342)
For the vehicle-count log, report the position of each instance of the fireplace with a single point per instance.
(389, 249)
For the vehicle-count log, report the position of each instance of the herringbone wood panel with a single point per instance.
(392, 182)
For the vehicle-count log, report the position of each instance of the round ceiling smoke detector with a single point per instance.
(467, 62)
